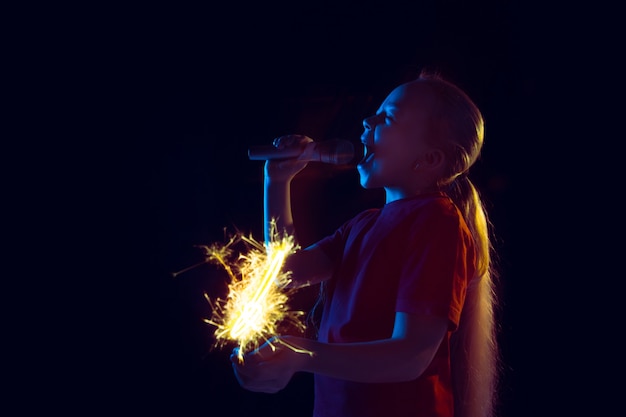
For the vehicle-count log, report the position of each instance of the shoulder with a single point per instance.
(363, 217)
(360, 221)
(436, 207)
(443, 208)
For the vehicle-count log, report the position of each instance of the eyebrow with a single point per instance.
(388, 108)
(392, 107)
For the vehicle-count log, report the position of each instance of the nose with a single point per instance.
(368, 122)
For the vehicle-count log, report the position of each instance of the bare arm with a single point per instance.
(402, 357)
(308, 266)
(278, 175)
(276, 205)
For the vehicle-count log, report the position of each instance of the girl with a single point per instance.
(407, 326)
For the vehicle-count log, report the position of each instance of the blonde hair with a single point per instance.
(474, 349)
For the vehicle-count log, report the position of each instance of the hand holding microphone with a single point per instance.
(304, 149)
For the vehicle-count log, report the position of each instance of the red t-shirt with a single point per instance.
(414, 255)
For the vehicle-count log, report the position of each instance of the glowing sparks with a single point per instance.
(257, 297)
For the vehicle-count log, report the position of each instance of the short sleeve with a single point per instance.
(439, 262)
(333, 245)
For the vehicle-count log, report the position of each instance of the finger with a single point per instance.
(307, 150)
(300, 140)
(267, 350)
(291, 140)
(236, 357)
(270, 386)
(291, 164)
(283, 141)
(249, 364)
(235, 353)
(250, 377)
(244, 375)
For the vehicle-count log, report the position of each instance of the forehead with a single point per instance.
(413, 95)
(409, 94)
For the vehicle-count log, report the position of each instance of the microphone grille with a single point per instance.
(342, 152)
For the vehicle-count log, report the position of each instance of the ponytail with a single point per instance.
(474, 350)
(459, 131)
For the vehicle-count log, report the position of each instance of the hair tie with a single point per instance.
(462, 176)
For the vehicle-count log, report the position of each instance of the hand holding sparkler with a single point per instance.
(270, 367)
(257, 299)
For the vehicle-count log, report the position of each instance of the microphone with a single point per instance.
(336, 151)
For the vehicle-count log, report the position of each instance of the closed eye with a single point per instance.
(384, 115)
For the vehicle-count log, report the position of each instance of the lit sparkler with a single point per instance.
(257, 296)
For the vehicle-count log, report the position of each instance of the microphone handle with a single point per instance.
(262, 153)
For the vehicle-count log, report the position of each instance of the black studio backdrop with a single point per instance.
(156, 108)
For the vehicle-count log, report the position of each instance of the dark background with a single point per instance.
(154, 109)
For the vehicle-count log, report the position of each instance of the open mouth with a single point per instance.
(368, 154)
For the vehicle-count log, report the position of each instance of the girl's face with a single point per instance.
(396, 139)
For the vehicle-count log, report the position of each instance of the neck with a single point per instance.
(393, 194)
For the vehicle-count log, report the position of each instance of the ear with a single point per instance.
(433, 158)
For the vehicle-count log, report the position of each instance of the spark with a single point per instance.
(257, 300)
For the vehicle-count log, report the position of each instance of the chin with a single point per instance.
(367, 182)
(370, 178)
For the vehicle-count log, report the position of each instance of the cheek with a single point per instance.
(389, 171)
(400, 160)
(399, 144)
